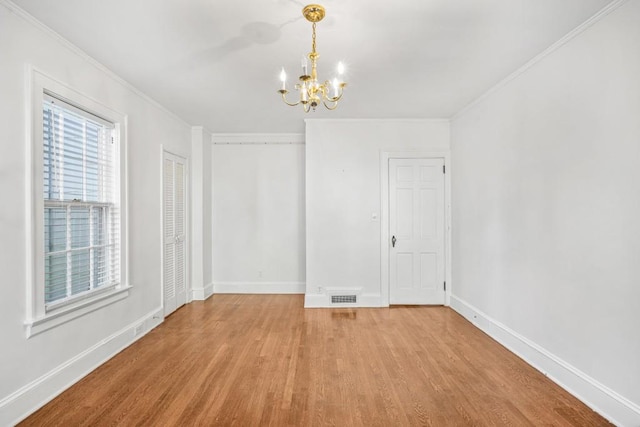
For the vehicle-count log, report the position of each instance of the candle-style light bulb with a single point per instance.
(340, 68)
(304, 66)
(283, 79)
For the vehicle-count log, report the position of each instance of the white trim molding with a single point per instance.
(257, 138)
(614, 407)
(259, 287)
(369, 120)
(75, 310)
(25, 401)
(201, 294)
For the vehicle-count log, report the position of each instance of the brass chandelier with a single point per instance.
(311, 92)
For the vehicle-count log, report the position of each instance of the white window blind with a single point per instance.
(81, 203)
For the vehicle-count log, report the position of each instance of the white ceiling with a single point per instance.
(216, 63)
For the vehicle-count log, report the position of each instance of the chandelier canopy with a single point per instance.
(310, 91)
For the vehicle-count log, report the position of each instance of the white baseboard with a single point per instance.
(201, 294)
(25, 401)
(259, 287)
(324, 301)
(608, 403)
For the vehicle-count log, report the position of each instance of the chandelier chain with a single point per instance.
(313, 39)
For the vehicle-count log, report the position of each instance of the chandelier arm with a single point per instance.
(284, 98)
(335, 105)
(333, 98)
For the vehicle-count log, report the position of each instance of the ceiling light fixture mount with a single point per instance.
(310, 90)
(313, 12)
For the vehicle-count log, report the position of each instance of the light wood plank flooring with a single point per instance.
(259, 360)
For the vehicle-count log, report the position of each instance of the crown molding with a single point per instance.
(371, 120)
(257, 138)
(202, 129)
(18, 11)
(548, 51)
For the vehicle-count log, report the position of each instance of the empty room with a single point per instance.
(421, 212)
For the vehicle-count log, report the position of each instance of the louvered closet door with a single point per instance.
(174, 214)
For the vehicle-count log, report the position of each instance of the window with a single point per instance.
(80, 203)
(78, 206)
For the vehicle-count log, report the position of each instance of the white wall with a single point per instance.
(34, 370)
(258, 214)
(546, 201)
(201, 223)
(342, 194)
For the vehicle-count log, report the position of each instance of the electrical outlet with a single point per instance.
(319, 289)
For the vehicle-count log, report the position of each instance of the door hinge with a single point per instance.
(445, 286)
(443, 168)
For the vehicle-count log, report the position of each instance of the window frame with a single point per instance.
(108, 210)
(42, 316)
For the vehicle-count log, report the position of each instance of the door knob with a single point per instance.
(393, 241)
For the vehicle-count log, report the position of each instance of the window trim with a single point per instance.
(39, 316)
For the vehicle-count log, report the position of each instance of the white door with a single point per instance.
(174, 213)
(416, 230)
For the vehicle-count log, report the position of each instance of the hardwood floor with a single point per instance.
(251, 360)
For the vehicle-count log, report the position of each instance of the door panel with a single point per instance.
(181, 294)
(404, 212)
(428, 270)
(416, 263)
(174, 214)
(429, 214)
(404, 270)
(169, 285)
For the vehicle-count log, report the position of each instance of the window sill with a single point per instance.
(65, 314)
